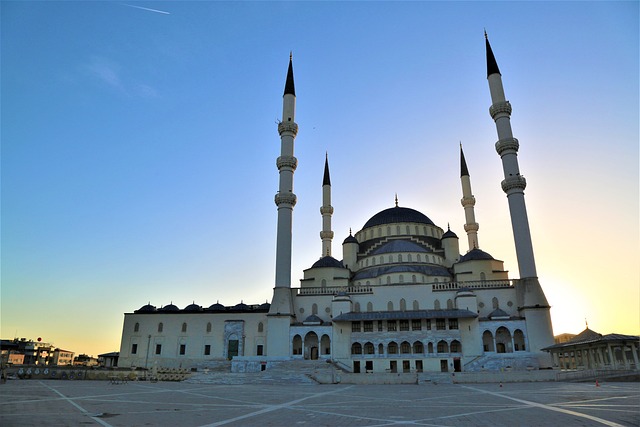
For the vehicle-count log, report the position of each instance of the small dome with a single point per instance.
(169, 307)
(146, 309)
(327, 261)
(397, 214)
(193, 307)
(449, 234)
(241, 306)
(475, 255)
(350, 239)
(498, 314)
(264, 306)
(216, 307)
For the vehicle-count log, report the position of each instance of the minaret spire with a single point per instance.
(326, 210)
(281, 310)
(468, 203)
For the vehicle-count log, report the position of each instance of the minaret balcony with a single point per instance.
(468, 201)
(516, 182)
(290, 128)
(505, 146)
(324, 210)
(286, 199)
(287, 162)
(500, 109)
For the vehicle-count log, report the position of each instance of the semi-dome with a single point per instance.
(398, 246)
(397, 214)
(475, 255)
(146, 309)
(327, 261)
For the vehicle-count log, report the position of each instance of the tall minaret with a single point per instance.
(514, 183)
(281, 310)
(326, 210)
(468, 202)
(531, 301)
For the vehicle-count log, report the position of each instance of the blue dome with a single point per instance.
(449, 234)
(169, 307)
(397, 214)
(350, 239)
(216, 307)
(327, 261)
(398, 246)
(146, 309)
(193, 307)
(475, 255)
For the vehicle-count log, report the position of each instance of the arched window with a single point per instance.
(323, 283)
(401, 278)
(403, 305)
(397, 229)
(414, 279)
(407, 228)
(297, 344)
(487, 341)
(389, 306)
(373, 260)
(436, 305)
(399, 257)
(483, 276)
(368, 348)
(430, 347)
(495, 303)
(368, 283)
(381, 260)
(419, 258)
(443, 347)
(418, 348)
(380, 349)
(409, 257)
(518, 340)
(405, 348)
(456, 347)
(392, 348)
(369, 306)
(449, 304)
(388, 280)
(356, 348)
(314, 309)
(160, 327)
(390, 258)
(388, 231)
(366, 262)
(416, 305)
(356, 307)
(209, 327)
(379, 231)
(136, 327)
(503, 340)
(260, 327)
(184, 327)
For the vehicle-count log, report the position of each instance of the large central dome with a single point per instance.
(397, 214)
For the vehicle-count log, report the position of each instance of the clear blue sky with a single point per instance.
(139, 145)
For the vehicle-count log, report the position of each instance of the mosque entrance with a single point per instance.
(233, 349)
(311, 346)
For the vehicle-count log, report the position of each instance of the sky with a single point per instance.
(139, 142)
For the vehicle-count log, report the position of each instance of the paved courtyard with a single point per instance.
(77, 403)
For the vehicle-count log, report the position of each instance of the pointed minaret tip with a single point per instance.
(492, 65)
(464, 171)
(326, 180)
(396, 200)
(289, 87)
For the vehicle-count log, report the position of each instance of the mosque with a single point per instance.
(402, 298)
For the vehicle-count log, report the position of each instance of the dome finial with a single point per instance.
(349, 231)
(396, 200)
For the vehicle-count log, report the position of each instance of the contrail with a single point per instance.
(146, 8)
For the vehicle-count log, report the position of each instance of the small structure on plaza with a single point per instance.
(591, 350)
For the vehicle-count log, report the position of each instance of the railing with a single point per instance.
(333, 290)
(479, 284)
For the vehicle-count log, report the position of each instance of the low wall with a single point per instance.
(77, 373)
(431, 377)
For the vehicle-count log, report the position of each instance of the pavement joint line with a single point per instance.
(80, 408)
(488, 411)
(273, 408)
(360, 417)
(548, 407)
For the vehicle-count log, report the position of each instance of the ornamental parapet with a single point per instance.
(516, 182)
(286, 199)
(333, 290)
(326, 234)
(288, 127)
(326, 210)
(509, 144)
(468, 201)
(500, 108)
(287, 162)
(479, 284)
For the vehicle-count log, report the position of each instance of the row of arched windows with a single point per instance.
(136, 327)
(399, 278)
(503, 341)
(403, 305)
(380, 260)
(425, 231)
(405, 347)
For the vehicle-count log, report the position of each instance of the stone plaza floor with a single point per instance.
(79, 403)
